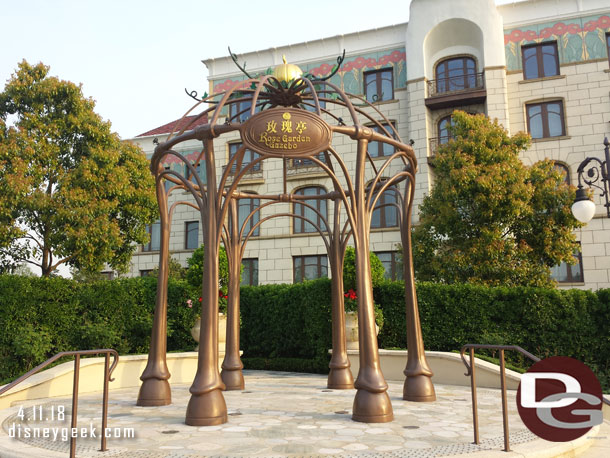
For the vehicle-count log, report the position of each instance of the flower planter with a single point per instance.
(351, 330)
(222, 331)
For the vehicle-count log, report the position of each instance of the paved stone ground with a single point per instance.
(278, 414)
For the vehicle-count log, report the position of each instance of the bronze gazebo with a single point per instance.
(286, 121)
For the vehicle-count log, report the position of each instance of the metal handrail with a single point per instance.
(107, 373)
(455, 84)
(470, 371)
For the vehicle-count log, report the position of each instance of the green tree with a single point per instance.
(489, 218)
(349, 269)
(70, 191)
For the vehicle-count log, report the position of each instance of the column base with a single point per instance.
(154, 392)
(418, 388)
(372, 407)
(340, 378)
(206, 409)
(233, 379)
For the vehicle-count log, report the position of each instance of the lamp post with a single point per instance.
(597, 175)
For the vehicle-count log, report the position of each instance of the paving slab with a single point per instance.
(278, 414)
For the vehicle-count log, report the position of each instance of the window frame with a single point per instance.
(395, 274)
(379, 146)
(570, 276)
(443, 85)
(383, 211)
(378, 84)
(253, 156)
(250, 279)
(300, 210)
(449, 136)
(545, 119)
(237, 107)
(249, 203)
(539, 56)
(148, 248)
(186, 234)
(319, 265)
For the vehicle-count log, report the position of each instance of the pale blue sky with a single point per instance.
(135, 57)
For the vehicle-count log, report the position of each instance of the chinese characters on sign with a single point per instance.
(287, 132)
(283, 140)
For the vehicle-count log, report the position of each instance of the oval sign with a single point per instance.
(286, 132)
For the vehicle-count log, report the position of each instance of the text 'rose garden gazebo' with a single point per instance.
(286, 122)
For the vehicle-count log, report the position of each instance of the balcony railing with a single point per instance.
(456, 90)
(255, 173)
(435, 142)
(304, 166)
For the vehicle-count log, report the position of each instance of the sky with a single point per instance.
(136, 57)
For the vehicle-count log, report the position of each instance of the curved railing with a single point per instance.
(77, 354)
(470, 371)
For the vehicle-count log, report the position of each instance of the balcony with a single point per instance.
(435, 142)
(254, 174)
(456, 90)
(304, 166)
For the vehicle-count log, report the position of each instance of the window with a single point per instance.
(154, 232)
(608, 44)
(456, 74)
(200, 170)
(309, 103)
(545, 119)
(240, 111)
(306, 162)
(107, 274)
(244, 208)
(249, 276)
(562, 168)
(379, 149)
(391, 264)
(309, 267)
(191, 235)
(249, 156)
(569, 273)
(540, 60)
(145, 272)
(385, 214)
(379, 85)
(444, 134)
(301, 226)
(168, 184)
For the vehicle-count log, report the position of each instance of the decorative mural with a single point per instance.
(349, 76)
(578, 39)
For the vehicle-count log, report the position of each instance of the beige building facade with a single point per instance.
(540, 66)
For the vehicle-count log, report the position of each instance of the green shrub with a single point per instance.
(44, 316)
(349, 269)
(288, 327)
(545, 322)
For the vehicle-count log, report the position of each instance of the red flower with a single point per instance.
(351, 294)
(200, 299)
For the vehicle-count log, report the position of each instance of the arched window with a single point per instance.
(385, 214)
(244, 208)
(444, 134)
(562, 168)
(302, 226)
(456, 74)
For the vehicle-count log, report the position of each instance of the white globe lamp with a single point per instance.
(583, 208)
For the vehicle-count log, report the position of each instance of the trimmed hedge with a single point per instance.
(44, 316)
(288, 327)
(545, 322)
